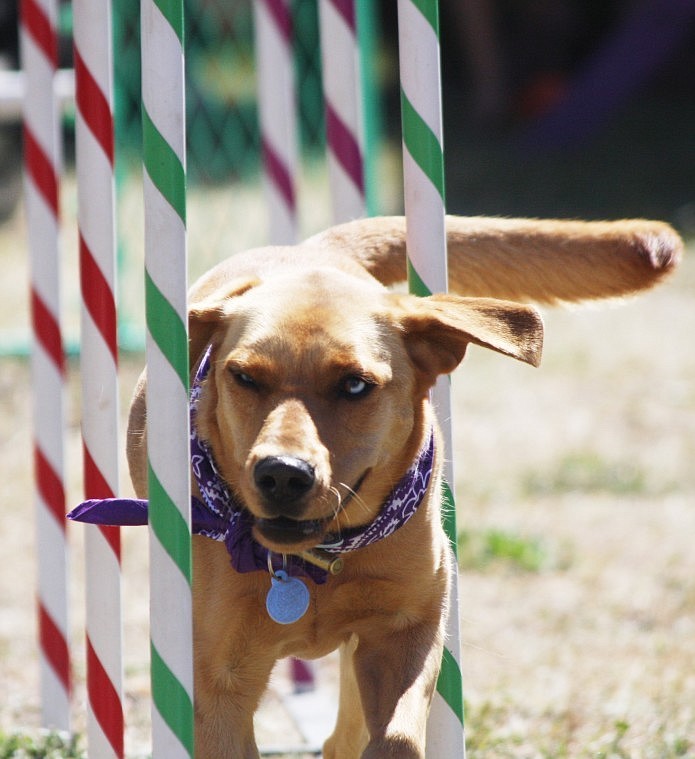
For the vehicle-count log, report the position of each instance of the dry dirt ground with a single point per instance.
(576, 496)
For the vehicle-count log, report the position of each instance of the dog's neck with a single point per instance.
(220, 515)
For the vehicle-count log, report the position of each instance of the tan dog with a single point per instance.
(314, 409)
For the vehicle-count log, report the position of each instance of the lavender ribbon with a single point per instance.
(220, 515)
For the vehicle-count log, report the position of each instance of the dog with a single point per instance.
(316, 450)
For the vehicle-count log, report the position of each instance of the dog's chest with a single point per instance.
(338, 610)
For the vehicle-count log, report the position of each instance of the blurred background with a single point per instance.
(554, 108)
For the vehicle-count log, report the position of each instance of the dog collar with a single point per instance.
(219, 514)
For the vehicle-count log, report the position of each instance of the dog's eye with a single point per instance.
(355, 387)
(245, 380)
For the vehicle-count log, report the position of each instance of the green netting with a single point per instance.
(223, 135)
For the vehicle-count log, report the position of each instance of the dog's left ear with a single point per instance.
(206, 314)
(437, 330)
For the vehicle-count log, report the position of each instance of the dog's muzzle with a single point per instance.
(282, 482)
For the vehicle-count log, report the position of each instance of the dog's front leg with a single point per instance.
(397, 675)
(350, 735)
(226, 698)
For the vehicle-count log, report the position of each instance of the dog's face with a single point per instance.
(314, 406)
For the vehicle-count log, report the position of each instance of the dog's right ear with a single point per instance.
(205, 315)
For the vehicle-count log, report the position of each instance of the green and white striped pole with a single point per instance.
(163, 115)
(423, 177)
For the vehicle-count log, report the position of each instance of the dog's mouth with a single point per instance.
(284, 531)
(281, 532)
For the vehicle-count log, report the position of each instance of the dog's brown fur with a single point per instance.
(294, 330)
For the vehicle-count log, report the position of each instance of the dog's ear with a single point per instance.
(437, 330)
(206, 313)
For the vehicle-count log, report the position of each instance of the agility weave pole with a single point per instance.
(42, 156)
(423, 182)
(168, 426)
(343, 108)
(277, 110)
(94, 139)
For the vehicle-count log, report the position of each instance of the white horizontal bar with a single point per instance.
(12, 92)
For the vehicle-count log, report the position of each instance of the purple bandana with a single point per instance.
(221, 516)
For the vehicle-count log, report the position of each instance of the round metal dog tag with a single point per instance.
(287, 599)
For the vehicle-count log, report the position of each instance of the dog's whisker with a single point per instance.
(353, 495)
(338, 501)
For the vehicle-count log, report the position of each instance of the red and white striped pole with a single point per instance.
(42, 156)
(277, 112)
(94, 131)
(342, 92)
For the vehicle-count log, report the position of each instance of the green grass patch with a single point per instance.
(502, 549)
(43, 745)
(586, 472)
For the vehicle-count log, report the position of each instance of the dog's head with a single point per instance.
(315, 404)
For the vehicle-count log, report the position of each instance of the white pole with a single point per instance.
(171, 632)
(42, 155)
(277, 111)
(423, 168)
(342, 92)
(99, 368)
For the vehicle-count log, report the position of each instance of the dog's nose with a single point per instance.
(283, 479)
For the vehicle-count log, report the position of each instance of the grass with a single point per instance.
(44, 745)
(586, 471)
(495, 548)
(485, 739)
